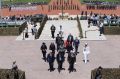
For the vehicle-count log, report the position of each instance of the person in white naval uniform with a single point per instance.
(86, 51)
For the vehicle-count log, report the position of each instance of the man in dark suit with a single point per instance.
(52, 48)
(43, 49)
(58, 40)
(76, 44)
(50, 59)
(53, 28)
(60, 59)
(71, 60)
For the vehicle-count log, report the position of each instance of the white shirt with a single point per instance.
(101, 25)
(86, 50)
(26, 30)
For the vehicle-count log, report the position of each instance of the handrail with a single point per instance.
(88, 31)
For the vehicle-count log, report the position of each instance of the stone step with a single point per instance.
(92, 32)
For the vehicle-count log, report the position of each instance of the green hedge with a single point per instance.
(13, 30)
(79, 27)
(107, 73)
(42, 24)
(83, 17)
(112, 30)
(9, 74)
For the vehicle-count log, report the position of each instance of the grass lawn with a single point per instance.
(17, 1)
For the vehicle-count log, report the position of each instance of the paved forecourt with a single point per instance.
(31, 37)
(68, 26)
(29, 58)
(92, 32)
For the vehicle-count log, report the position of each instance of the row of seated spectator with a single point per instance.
(98, 2)
(72, 18)
(23, 8)
(94, 18)
(55, 18)
(24, 4)
(20, 17)
(107, 19)
(102, 7)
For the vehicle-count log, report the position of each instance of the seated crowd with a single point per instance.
(102, 7)
(24, 4)
(112, 19)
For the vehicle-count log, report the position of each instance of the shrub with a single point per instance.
(9, 74)
(12, 30)
(112, 30)
(83, 18)
(107, 73)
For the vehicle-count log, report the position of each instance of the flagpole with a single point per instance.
(62, 9)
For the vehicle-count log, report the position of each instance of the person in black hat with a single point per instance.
(53, 28)
(43, 49)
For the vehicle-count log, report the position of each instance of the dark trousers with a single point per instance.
(52, 33)
(51, 66)
(58, 45)
(32, 32)
(44, 54)
(76, 49)
(101, 30)
(26, 35)
(60, 65)
(53, 52)
(71, 66)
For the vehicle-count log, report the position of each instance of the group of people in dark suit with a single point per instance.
(62, 47)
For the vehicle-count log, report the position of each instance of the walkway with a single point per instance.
(31, 37)
(68, 26)
(29, 58)
(93, 34)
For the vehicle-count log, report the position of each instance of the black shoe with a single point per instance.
(62, 68)
(83, 60)
(74, 70)
(48, 69)
(58, 70)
